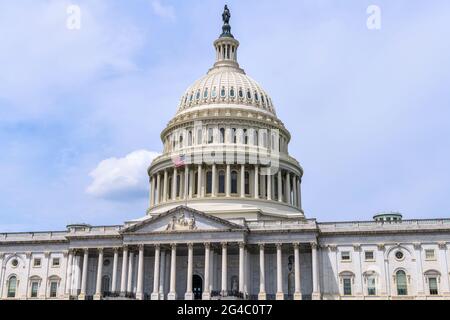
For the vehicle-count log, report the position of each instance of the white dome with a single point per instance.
(226, 85)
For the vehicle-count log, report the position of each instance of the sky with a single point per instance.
(81, 109)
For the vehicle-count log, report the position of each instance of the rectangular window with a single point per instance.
(53, 289)
(34, 289)
(371, 286)
(429, 254)
(368, 255)
(55, 262)
(432, 284)
(345, 255)
(37, 262)
(347, 282)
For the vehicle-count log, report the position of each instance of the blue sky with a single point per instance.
(81, 110)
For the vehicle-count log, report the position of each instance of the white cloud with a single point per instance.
(164, 11)
(122, 178)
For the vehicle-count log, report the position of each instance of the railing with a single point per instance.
(229, 293)
(127, 295)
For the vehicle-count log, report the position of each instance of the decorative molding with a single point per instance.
(442, 245)
(332, 247)
(357, 247)
(381, 246)
(417, 245)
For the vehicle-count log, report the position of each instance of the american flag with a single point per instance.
(178, 160)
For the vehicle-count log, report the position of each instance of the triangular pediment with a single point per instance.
(182, 219)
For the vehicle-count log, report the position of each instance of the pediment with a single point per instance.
(182, 219)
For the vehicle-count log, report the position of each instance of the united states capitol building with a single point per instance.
(225, 221)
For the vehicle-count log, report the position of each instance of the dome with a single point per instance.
(226, 84)
(229, 87)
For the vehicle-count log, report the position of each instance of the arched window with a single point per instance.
(241, 93)
(197, 97)
(244, 132)
(205, 93)
(222, 135)
(249, 95)
(256, 138)
(232, 92)
(191, 97)
(181, 142)
(221, 181)
(210, 135)
(234, 182)
(222, 92)
(256, 96)
(247, 183)
(214, 93)
(402, 285)
(189, 138)
(12, 287)
(233, 135)
(208, 182)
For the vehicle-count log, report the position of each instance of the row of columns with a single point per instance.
(160, 183)
(158, 292)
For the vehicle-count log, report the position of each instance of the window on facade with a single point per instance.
(197, 97)
(37, 262)
(222, 135)
(53, 289)
(105, 284)
(249, 95)
(221, 181)
(233, 135)
(232, 92)
(189, 138)
(368, 255)
(433, 286)
(222, 92)
(371, 286)
(402, 286)
(12, 287)
(255, 138)
(245, 136)
(210, 135)
(169, 189)
(399, 255)
(205, 93)
(429, 254)
(234, 183)
(347, 286)
(213, 92)
(256, 96)
(55, 262)
(15, 263)
(345, 255)
(195, 182)
(180, 142)
(247, 183)
(209, 182)
(34, 289)
(241, 93)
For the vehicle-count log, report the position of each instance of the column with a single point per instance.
(443, 263)
(280, 186)
(155, 293)
(199, 185)
(298, 291)
(114, 273)
(189, 294)
(158, 189)
(299, 193)
(186, 182)
(241, 267)
(228, 181)
(206, 293)
(166, 185)
(256, 182)
(98, 286)
(140, 277)
(280, 293)
(191, 184)
(294, 200)
(288, 188)
(68, 273)
(162, 276)
(242, 181)
(262, 274)
(174, 184)
(269, 185)
(123, 282)
(315, 272)
(152, 191)
(224, 270)
(84, 275)
(214, 180)
(130, 272)
(173, 274)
